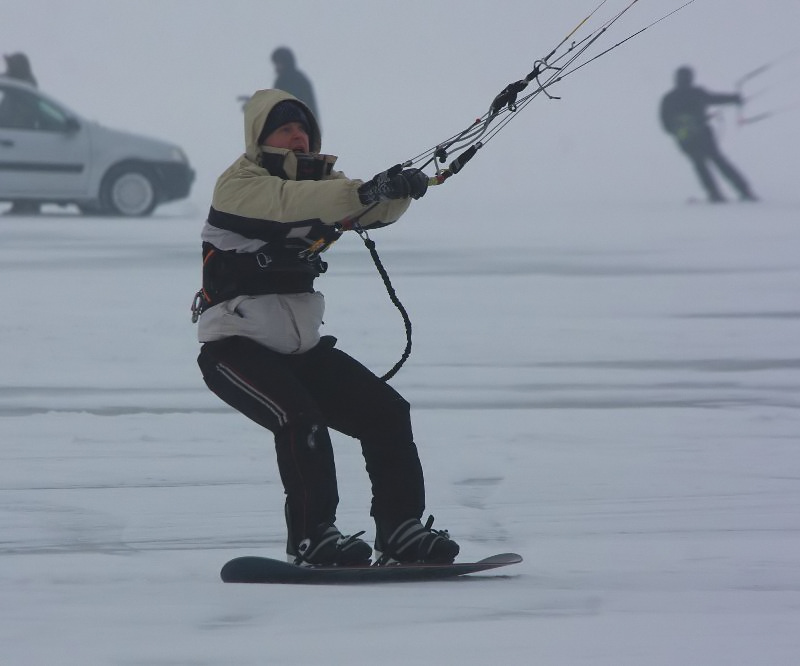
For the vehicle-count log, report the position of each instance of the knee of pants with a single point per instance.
(392, 415)
(306, 434)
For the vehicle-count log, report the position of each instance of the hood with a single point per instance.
(255, 115)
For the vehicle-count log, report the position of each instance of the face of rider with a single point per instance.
(291, 136)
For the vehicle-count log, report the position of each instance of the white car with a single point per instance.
(49, 154)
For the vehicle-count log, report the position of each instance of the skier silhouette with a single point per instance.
(684, 116)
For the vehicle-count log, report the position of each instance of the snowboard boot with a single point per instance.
(328, 547)
(412, 542)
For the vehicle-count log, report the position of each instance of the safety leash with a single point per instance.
(370, 244)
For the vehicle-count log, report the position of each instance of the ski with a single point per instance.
(254, 569)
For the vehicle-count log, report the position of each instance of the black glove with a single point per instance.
(417, 182)
(393, 184)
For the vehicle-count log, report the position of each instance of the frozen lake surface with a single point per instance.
(611, 391)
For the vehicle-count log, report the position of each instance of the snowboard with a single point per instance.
(254, 569)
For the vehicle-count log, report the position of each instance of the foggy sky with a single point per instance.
(393, 79)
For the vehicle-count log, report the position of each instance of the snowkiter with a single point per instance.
(684, 115)
(272, 211)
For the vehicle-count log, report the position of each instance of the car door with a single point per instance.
(44, 151)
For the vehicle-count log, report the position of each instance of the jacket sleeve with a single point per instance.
(380, 215)
(250, 191)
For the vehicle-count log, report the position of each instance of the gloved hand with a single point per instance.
(417, 182)
(394, 184)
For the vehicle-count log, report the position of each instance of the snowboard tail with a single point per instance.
(254, 569)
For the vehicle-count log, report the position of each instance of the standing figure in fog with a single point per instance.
(684, 116)
(19, 67)
(290, 79)
(273, 212)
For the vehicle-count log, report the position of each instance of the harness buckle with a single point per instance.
(198, 305)
(263, 260)
(315, 249)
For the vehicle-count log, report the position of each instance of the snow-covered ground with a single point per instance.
(612, 391)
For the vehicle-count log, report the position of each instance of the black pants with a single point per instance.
(298, 397)
(702, 151)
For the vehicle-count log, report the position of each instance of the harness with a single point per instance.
(270, 270)
(287, 263)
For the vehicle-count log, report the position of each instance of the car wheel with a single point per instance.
(130, 192)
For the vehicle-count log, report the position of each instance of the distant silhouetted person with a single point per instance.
(684, 116)
(290, 79)
(19, 67)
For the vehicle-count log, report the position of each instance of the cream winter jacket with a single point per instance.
(247, 205)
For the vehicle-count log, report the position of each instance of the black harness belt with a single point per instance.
(271, 270)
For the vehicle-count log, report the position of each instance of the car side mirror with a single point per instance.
(71, 125)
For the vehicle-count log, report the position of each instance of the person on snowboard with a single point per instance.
(272, 212)
(684, 115)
